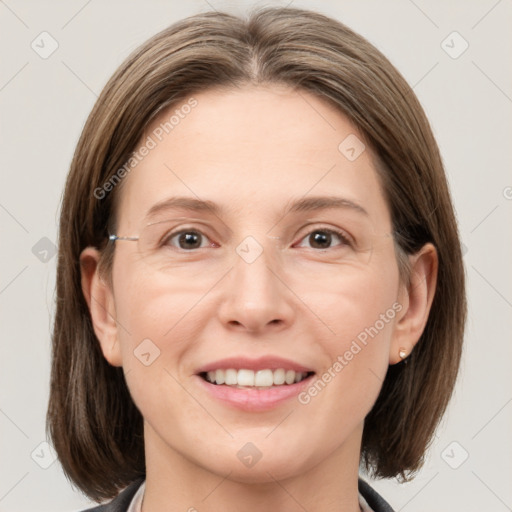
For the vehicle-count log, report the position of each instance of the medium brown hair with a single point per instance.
(95, 427)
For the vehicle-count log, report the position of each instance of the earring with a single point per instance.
(402, 353)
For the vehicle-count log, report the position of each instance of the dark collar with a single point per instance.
(123, 500)
(373, 498)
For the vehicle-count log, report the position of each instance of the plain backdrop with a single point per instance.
(463, 80)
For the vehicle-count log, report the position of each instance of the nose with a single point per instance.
(256, 297)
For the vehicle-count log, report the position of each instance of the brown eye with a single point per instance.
(325, 238)
(188, 240)
(320, 239)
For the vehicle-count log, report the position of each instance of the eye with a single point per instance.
(323, 238)
(187, 240)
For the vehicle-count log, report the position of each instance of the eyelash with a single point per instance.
(342, 235)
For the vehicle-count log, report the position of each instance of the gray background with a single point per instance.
(44, 103)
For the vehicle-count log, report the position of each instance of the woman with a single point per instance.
(260, 283)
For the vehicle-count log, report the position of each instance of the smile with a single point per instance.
(253, 384)
(260, 379)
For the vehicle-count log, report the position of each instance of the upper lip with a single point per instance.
(261, 363)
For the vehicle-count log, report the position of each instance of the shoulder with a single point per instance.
(376, 502)
(121, 502)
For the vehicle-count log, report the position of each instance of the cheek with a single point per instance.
(359, 311)
(161, 308)
(352, 301)
(160, 321)
(356, 356)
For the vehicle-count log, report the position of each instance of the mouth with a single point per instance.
(245, 378)
(254, 385)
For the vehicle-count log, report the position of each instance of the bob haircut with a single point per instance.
(92, 421)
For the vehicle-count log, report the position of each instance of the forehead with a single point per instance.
(252, 151)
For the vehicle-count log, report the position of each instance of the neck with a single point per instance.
(177, 483)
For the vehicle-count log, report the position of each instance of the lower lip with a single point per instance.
(254, 400)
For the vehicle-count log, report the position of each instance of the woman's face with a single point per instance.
(261, 279)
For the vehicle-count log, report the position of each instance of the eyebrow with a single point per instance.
(184, 203)
(301, 205)
(313, 203)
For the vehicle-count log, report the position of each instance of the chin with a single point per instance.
(279, 465)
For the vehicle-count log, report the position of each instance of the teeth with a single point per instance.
(230, 377)
(264, 378)
(279, 377)
(220, 378)
(249, 378)
(245, 378)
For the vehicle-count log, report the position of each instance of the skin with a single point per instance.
(252, 151)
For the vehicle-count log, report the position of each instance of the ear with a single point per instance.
(416, 299)
(100, 301)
